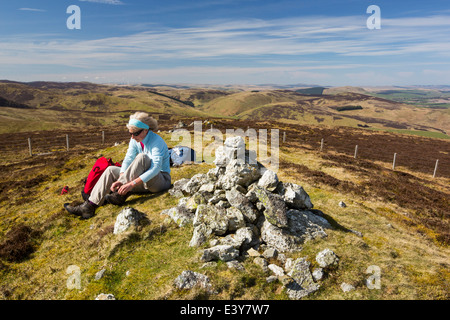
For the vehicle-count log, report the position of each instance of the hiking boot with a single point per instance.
(85, 210)
(116, 198)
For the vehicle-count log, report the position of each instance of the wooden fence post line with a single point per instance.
(356, 151)
(435, 168)
(29, 146)
(67, 141)
(321, 145)
(393, 164)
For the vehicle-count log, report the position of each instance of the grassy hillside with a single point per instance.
(235, 104)
(399, 235)
(50, 105)
(427, 98)
(58, 105)
(198, 96)
(332, 110)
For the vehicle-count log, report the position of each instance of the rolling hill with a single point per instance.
(50, 105)
(341, 109)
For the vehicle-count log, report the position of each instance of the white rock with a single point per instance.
(289, 264)
(346, 287)
(235, 142)
(99, 274)
(220, 252)
(278, 271)
(189, 279)
(296, 196)
(253, 253)
(260, 261)
(268, 181)
(270, 253)
(317, 274)
(303, 283)
(127, 218)
(327, 258)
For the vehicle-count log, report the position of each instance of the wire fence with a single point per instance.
(397, 159)
(429, 156)
(37, 143)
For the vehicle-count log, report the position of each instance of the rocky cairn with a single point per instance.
(241, 206)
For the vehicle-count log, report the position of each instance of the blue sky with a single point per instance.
(322, 42)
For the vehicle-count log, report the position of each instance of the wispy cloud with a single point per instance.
(262, 43)
(197, 74)
(32, 9)
(113, 2)
(345, 36)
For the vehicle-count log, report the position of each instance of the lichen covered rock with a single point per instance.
(240, 205)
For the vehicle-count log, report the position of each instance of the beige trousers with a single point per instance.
(141, 163)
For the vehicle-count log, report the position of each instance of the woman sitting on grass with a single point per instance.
(145, 169)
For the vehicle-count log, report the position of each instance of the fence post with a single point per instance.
(29, 146)
(321, 145)
(356, 151)
(393, 164)
(284, 136)
(435, 168)
(67, 141)
(103, 137)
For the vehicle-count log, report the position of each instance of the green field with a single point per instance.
(428, 134)
(419, 98)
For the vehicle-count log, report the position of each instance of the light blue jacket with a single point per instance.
(156, 148)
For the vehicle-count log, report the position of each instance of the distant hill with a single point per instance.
(54, 104)
(337, 90)
(238, 103)
(51, 105)
(329, 109)
(312, 91)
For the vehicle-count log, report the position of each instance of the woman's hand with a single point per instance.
(115, 186)
(125, 188)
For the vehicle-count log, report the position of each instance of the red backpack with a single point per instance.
(97, 170)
